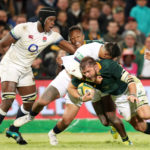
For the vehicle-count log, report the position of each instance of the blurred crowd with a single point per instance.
(123, 21)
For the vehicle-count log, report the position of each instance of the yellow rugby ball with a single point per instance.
(84, 88)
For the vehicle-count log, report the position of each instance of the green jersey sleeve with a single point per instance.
(76, 81)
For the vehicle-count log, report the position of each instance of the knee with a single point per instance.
(42, 102)
(103, 120)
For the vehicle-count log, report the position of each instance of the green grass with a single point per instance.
(76, 141)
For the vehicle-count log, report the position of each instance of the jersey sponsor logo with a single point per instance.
(33, 48)
(30, 36)
(78, 57)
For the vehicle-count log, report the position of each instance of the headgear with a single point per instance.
(44, 13)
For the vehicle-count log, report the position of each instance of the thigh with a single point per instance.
(71, 100)
(61, 82)
(100, 114)
(10, 73)
(26, 79)
(108, 104)
(144, 111)
(70, 112)
(138, 123)
(8, 86)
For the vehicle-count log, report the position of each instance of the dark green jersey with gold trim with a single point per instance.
(111, 72)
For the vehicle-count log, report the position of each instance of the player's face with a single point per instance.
(49, 23)
(77, 38)
(90, 73)
(104, 53)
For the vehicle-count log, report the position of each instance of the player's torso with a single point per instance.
(30, 44)
(109, 84)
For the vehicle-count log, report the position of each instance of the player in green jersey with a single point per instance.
(110, 78)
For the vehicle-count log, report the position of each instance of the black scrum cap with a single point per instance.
(44, 13)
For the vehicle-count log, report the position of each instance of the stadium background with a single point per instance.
(13, 12)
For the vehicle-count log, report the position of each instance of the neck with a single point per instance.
(39, 27)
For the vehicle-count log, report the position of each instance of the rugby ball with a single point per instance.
(84, 88)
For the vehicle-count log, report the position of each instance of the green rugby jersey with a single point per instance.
(111, 72)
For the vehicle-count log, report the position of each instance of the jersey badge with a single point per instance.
(44, 39)
(30, 36)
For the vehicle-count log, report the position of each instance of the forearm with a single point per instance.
(68, 47)
(74, 93)
(132, 88)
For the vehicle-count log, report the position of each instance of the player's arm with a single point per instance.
(68, 47)
(121, 74)
(147, 55)
(72, 90)
(5, 42)
(127, 78)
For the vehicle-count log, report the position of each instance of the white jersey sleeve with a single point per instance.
(16, 32)
(72, 63)
(57, 38)
(91, 50)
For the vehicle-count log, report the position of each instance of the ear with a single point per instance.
(96, 68)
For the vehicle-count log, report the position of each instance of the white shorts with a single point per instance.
(15, 73)
(71, 100)
(125, 107)
(61, 82)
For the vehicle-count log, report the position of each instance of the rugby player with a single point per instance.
(127, 91)
(54, 90)
(26, 41)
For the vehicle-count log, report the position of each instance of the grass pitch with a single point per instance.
(77, 141)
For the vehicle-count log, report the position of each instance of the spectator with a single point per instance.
(21, 19)
(132, 25)
(84, 24)
(61, 22)
(31, 6)
(37, 69)
(94, 12)
(62, 5)
(35, 18)
(118, 16)
(4, 18)
(129, 42)
(74, 13)
(112, 35)
(93, 33)
(105, 17)
(143, 64)
(128, 63)
(142, 15)
(49, 3)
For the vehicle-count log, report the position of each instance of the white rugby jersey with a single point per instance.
(91, 49)
(30, 42)
(72, 62)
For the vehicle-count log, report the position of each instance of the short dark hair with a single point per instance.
(87, 61)
(73, 28)
(113, 49)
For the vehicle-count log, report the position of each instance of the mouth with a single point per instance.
(77, 44)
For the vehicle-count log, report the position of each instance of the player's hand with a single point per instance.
(147, 55)
(88, 96)
(133, 98)
(59, 60)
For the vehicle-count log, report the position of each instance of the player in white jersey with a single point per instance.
(58, 87)
(27, 40)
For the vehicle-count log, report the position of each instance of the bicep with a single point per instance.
(7, 41)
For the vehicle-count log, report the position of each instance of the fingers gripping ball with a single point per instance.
(84, 88)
